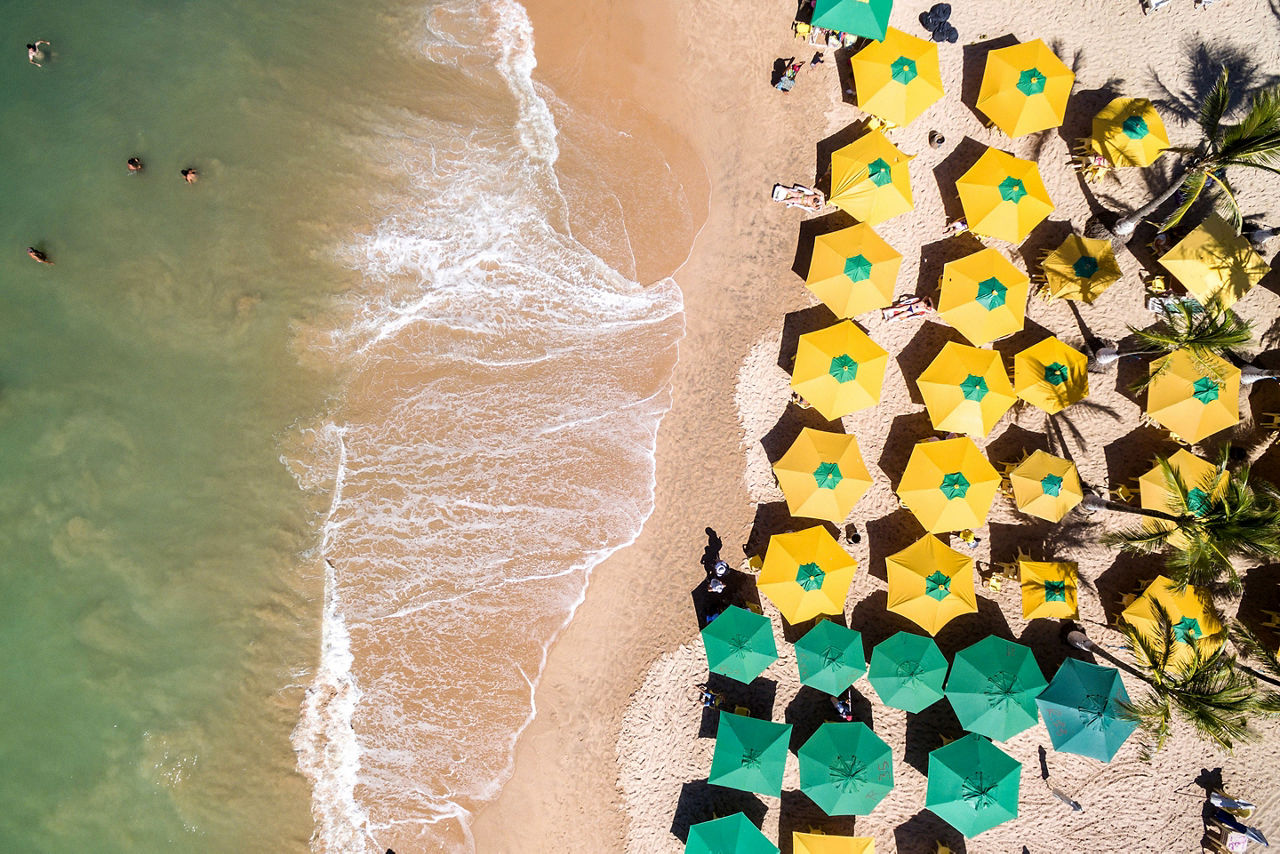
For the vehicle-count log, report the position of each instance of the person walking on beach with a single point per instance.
(35, 54)
(38, 255)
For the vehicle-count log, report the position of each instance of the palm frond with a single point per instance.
(1262, 117)
(1214, 107)
(1192, 186)
(1228, 206)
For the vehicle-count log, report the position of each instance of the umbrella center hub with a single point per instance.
(904, 70)
(1206, 390)
(810, 576)
(991, 294)
(1085, 266)
(1135, 127)
(974, 387)
(1095, 712)
(955, 485)
(1187, 630)
(937, 586)
(847, 775)
(1051, 484)
(832, 656)
(1055, 591)
(910, 671)
(750, 758)
(857, 268)
(1001, 688)
(1198, 501)
(1055, 373)
(1031, 81)
(879, 172)
(977, 792)
(843, 368)
(1012, 190)
(828, 475)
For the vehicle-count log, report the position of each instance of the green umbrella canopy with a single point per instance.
(845, 768)
(1082, 709)
(830, 657)
(993, 687)
(750, 754)
(973, 785)
(868, 18)
(907, 671)
(739, 644)
(733, 834)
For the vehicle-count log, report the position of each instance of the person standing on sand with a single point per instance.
(35, 54)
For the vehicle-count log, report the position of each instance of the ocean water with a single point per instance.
(303, 466)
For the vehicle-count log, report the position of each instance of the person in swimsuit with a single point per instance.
(38, 255)
(134, 164)
(190, 175)
(35, 54)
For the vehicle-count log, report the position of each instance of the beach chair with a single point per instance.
(753, 608)
(1269, 421)
(1122, 493)
(742, 710)
(1272, 621)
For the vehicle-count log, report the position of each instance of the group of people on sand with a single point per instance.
(36, 55)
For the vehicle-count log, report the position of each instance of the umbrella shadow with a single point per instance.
(967, 629)
(797, 323)
(975, 63)
(936, 255)
(1043, 239)
(1260, 585)
(1128, 575)
(758, 698)
(1133, 454)
(812, 708)
(739, 589)
(1015, 441)
(921, 834)
(1007, 540)
(828, 146)
(1082, 106)
(1048, 642)
(794, 419)
(926, 731)
(843, 59)
(920, 352)
(905, 431)
(1010, 345)
(774, 518)
(810, 231)
(889, 535)
(700, 801)
(876, 622)
(950, 168)
(798, 814)
(1267, 465)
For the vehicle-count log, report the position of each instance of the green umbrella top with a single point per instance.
(845, 768)
(750, 754)
(733, 834)
(993, 687)
(1083, 709)
(739, 644)
(907, 671)
(973, 785)
(868, 18)
(830, 657)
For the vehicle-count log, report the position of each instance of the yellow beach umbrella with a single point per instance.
(1214, 263)
(898, 78)
(839, 370)
(1129, 132)
(930, 583)
(1194, 624)
(948, 484)
(983, 296)
(1081, 269)
(806, 573)
(1046, 486)
(853, 270)
(1203, 482)
(965, 389)
(1003, 196)
(869, 179)
(1048, 589)
(1025, 88)
(822, 475)
(1194, 395)
(823, 843)
(1051, 375)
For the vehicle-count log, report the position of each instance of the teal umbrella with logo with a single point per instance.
(907, 671)
(993, 687)
(845, 768)
(733, 834)
(750, 754)
(830, 657)
(973, 785)
(869, 18)
(1083, 709)
(739, 644)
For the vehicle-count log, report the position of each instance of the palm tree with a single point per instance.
(1254, 142)
(1208, 525)
(1213, 329)
(1252, 646)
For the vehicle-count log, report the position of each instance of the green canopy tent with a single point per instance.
(973, 785)
(907, 671)
(830, 657)
(733, 834)
(739, 644)
(869, 18)
(750, 754)
(993, 688)
(845, 768)
(1084, 712)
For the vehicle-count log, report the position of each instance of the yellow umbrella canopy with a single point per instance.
(1003, 196)
(1214, 263)
(853, 270)
(948, 484)
(1193, 621)
(1046, 486)
(823, 843)
(930, 583)
(869, 179)
(839, 370)
(1025, 88)
(965, 389)
(1048, 589)
(822, 475)
(1081, 269)
(898, 78)
(983, 296)
(1051, 375)
(1129, 132)
(1202, 479)
(806, 573)
(1194, 395)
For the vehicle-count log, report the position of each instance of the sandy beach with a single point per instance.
(616, 758)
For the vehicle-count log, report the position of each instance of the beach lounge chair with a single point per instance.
(1149, 6)
(1269, 421)
(799, 196)
(1272, 621)
(904, 307)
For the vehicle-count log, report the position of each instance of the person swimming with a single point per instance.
(134, 164)
(38, 255)
(190, 175)
(35, 54)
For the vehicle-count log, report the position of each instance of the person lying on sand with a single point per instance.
(38, 255)
(904, 307)
(955, 227)
(799, 196)
(35, 54)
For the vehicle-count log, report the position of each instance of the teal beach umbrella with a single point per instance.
(1082, 709)
(830, 657)
(750, 754)
(993, 688)
(973, 785)
(845, 768)
(733, 834)
(907, 671)
(739, 644)
(868, 18)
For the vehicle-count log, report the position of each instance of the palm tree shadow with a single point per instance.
(1204, 64)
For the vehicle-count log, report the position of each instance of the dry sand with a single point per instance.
(617, 757)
